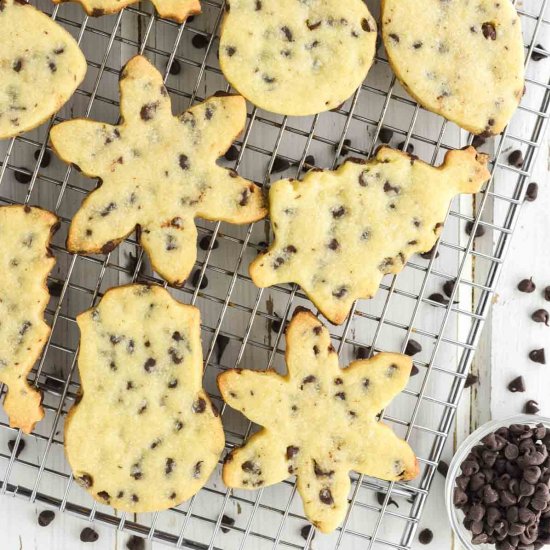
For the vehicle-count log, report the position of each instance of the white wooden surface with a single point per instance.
(508, 336)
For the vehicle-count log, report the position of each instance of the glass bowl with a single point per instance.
(455, 515)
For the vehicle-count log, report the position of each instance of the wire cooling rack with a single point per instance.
(243, 325)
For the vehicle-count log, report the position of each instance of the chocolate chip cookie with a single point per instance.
(297, 58)
(462, 60)
(41, 66)
(319, 422)
(157, 171)
(145, 436)
(26, 261)
(338, 233)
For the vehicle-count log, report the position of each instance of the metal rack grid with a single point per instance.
(249, 321)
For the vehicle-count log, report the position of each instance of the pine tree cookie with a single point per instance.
(297, 58)
(177, 10)
(26, 262)
(41, 66)
(158, 171)
(337, 233)
(145, 436)
(319, 422)
(462, 60)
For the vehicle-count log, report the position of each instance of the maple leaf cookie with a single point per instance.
(157, 171)
(462, 60)
(41, 66)
(337, 233)
(145, 436)
(297, 58)
(26, 261)
(177, 10)
(319, 422)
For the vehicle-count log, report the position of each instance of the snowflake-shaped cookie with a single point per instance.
(319, 422)
(158, 171)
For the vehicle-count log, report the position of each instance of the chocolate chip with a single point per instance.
(546, 293)
(380, 497)
(150, 364)
(479, 141)
(227, 521)
(532, 192)
(148, 111)
(204, 243)
(517, 385)
(232, 154)
(430, 254)
(480, 230)
(471, 379)
(309, 162)
(439, 298)
(221, 343)
(20, 447)
(515, 158)
(325, 496)
(527, 285)
(46, 158)
(280, 164)
(200, 41)
(135, 543)
(251, 467)
(537, 56)
(88, 535)
(540, 316)
(531, 407)
(363, 352)
(45, 517)
(410, 147)
(199, 406)
(538, 356)
(22, 177)
(385, 135)
(175, 68)
(195, 280)
(425, 536)
(443, 468)
(413, 347)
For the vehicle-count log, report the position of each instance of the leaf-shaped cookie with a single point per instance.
(297, 58)
(338, 233)
(26, 261)
(319, 422)
(144, 436)
(157, 171)
(463, 60)
(41, 66)
(177, 10)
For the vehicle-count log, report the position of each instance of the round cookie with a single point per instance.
(297, 58)
(462, 60)
(41, 66)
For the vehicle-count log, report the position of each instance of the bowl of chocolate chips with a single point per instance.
(498, 486)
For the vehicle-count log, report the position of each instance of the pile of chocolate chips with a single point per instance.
(504, 488)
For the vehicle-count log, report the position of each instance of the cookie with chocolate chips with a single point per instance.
(26, 262)
(337, 233)
(462, 60)
(157, 171)
(325, 423)
(145, 436)
(176, 10)
(41, 66)
(297, 58)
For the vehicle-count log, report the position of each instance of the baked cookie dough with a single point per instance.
(158, 171)
(41, 66)
(144, 436)
(319, 422)
(177, 10)
(25, 262)
(338, 233)
(297, 58)
(460, 59)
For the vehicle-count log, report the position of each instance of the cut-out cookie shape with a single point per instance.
(41, 66)
(177, 10)
(338, 233)
(144, 436)
(26, 262)
(319, 422)
(157, 171)
(297, 58)
(462, 60)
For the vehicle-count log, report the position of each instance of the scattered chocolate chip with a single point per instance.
(306, 530)
(135, 543)
(527, 285)
(439, 298)
(200, 41)
(345, 146)
(531, 407)
(204, 243)
(547, 293)
(430, 254)
(538, 356)
(88, 535)
(363, 352)
(517, 385)
(471, 380)
(309, 162)
(478, 141)
(46, 158)
(425, 536)
(280, 164)
(410, 147)
(385, 135)
(515, 158)
(45, 517)
(227, 522)
(480, 230)
(20, 447)
(443, 468)
(195, 280)
(22, 177)
(540, 316)
(381, 497)
(448, 288)
(175, 68)
(413, 347)
(537, 56)
(221, 343)
(532, 192)
(232, 154)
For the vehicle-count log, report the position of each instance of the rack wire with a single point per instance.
(243, 325)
